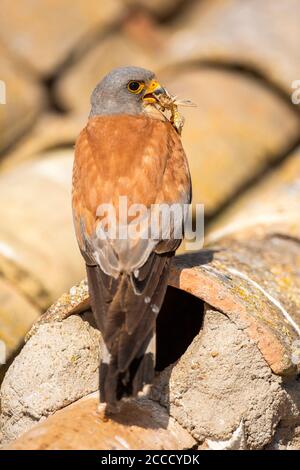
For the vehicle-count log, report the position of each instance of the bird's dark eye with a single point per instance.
(135, 87)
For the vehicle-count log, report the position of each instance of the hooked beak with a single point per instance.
(152, 91)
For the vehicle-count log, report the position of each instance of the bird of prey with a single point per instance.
(129, 148)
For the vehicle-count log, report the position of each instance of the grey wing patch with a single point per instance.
(115, 255)
(160, 230)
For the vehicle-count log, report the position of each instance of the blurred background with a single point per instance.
(236, 59)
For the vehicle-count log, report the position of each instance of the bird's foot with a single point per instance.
(107, 410)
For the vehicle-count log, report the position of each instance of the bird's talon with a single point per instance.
(101, 412)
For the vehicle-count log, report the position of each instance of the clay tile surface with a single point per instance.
(44, 33)
(263, 36)
(238, 128)
(142, 425)
(256, 284)
(22, 101)
(250, 269)
(269, 203)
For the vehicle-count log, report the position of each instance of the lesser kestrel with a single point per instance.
(128, 151)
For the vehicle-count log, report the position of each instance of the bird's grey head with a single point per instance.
(125, 90)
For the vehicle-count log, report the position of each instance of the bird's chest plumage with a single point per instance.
(133, 156)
